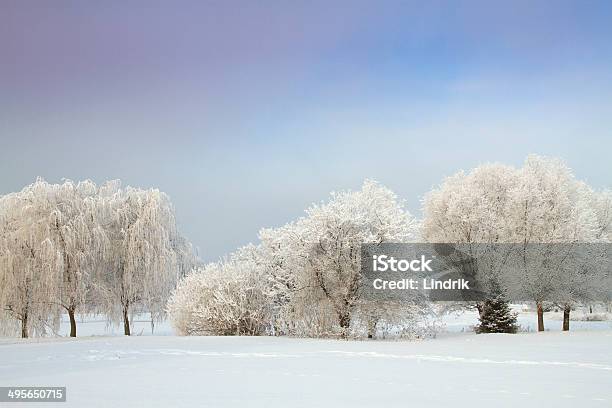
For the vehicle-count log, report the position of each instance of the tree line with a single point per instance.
(304, 278)
(78, 248)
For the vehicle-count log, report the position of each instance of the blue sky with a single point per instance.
(247, 112)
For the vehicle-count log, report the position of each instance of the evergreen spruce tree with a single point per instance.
(496, 316)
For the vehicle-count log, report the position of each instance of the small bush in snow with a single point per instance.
(595, 317)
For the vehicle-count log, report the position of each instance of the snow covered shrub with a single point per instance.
(595, 317)
(394, 320)
(308, 315)
(224, 298)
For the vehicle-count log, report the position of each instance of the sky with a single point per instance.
(246, 112)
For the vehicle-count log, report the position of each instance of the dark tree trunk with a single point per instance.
(372, 322)
(126, 320)
(479, 307)
(344, 319)
(72, 322)
(540, 316)
(566, 318)
(24, 326)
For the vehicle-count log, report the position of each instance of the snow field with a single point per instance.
(527, 370)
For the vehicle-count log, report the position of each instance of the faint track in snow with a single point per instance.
(96, 355)
(454, 359)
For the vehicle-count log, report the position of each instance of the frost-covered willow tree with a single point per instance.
(145, 255)
(81, 241)
(58, 223)
(324, 248)
(74, 247)
(30, 262)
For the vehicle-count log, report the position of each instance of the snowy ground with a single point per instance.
(526, 370)
(457, 369)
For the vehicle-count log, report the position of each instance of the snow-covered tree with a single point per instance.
(81, 241)
(325, 247)
(143, 264)
(31, 264)
(583, 268)
(601, 202)
(472, 210)
(60, 243)
(539, 204)
(549, 206)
